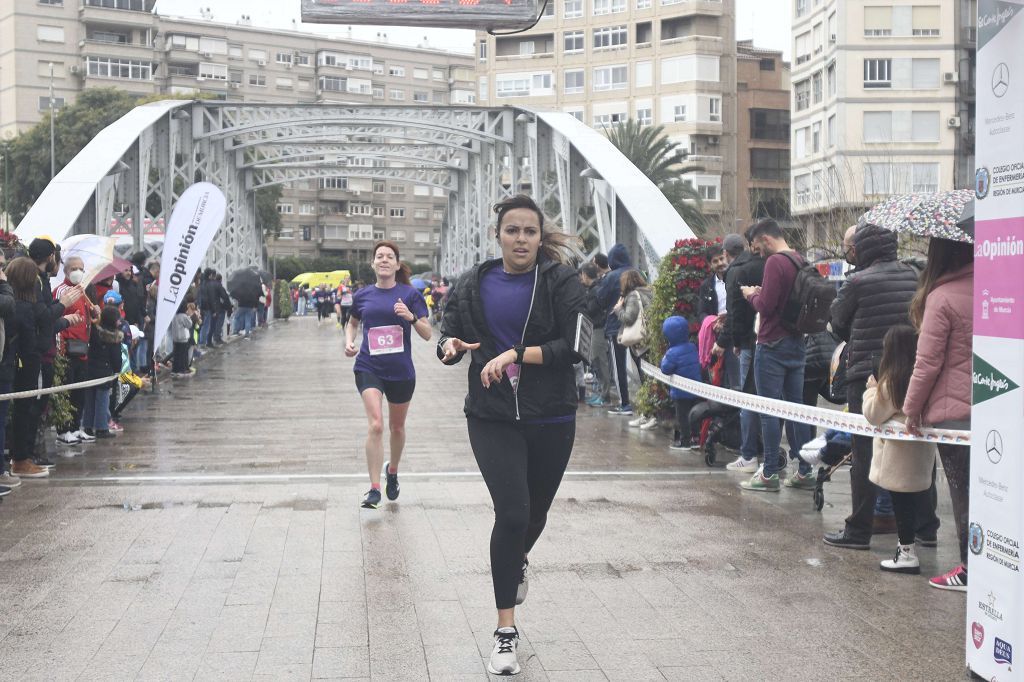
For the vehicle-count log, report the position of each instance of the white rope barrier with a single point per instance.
(57, 389)
(815, 416)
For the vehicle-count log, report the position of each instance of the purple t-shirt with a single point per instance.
(387, 339)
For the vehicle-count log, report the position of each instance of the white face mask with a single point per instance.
(76, 277)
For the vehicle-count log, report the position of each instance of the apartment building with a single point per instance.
(762, 157)
(123, 44)
(669, 62)
(882, 104)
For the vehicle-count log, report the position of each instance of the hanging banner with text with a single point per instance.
(196, 218)
(995, 593)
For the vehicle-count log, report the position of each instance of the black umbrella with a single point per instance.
(245, 284)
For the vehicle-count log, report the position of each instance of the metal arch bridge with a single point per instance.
(477, 155)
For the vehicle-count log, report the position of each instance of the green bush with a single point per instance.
(282, 300)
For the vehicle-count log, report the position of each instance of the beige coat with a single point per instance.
(897, 465)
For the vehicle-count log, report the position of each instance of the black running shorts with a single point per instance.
(397, 392)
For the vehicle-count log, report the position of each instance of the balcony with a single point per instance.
(102, 48)
(710, 7)
(90, 11)
(696, 43)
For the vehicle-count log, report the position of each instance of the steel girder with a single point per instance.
(478, 155)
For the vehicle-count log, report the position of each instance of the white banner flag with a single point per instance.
(196, 218)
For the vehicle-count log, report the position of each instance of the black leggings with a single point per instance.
(620, 352)
(522, 465)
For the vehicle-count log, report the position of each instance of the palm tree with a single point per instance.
(663, 162)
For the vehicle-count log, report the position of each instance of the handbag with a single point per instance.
(633, 335)
(76, 347)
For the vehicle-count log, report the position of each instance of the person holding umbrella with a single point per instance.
(246, 287)
(388, 311)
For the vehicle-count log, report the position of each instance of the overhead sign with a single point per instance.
(478, 15)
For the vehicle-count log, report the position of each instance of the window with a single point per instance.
(802, 189)
(398, 235)
(803, 48)
(802, 94)
(608, 6)
(483, 89)
(877, 73)
(925, 20)
(925, 177)
(307, 208)
(523, 84)
(421, 191)
(715, 109)
(801, 7)
(379, 187)
(378, 211)
(576, 114)
(611, 78)
(689, 68)
(55, 3)
(609, 37)
(333, 183)
(644, 116)
(818, 38)
(397, 71)
(420, 74)
(574, 82)
(283, 83)
(708, 191)
(397, 189)
(573, 41)
(257, 80)
(360, 209)
(44, 103)
(830, 131)
(303, 59)
(573, 9)
(643, 4)
(420, 214)
(769, 124)
(421, 237)
(420, 97)
(397, 95)
(924, 74)
(924, 126)
(235, 52)
(132, 5)
(49, 34)
(603, 120)
(800, 143)
(816, 88)
(815, 137)
(307, 233)
(258, 55)
(127, 69)
(877, 21)
(901, 126)
(830, 76)
(769, 164)
(332, 84)
(482, 50)
(767, 64)
(283, 57)
(217, 72)
(832, 37)
(644, 75)
(679, 113)
(397, 212)
(438, 214)
(284, 209)
(877, 178)
(378, 93)
(360, 232)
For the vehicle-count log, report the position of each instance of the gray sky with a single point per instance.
(766, 21)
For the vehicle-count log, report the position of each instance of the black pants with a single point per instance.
(77, 371)
(522, 465)
(24, 414)
(909, 508)
(179, 363)
(683, 407)
(346, 311)
(956, 464)
(619, 353)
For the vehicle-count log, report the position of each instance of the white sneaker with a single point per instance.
(639, 421)
(503, 659)
(68, 438)
(524, 585)
(649, 424)
(84, 437)
(9, 480)
(905, 561)
(747, 466)
(816, 444)
(812, 457)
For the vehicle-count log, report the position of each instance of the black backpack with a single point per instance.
(807, 310)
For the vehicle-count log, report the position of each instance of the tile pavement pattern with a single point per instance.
(663, 570)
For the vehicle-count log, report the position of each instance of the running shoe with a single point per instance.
(638, 422)
(622, 411)
(747, 466)
(905, 561)
(115, 426)
(761, 484)
(596, 401)
(68, 438)
(524, 584)
(651, 423)
(503, 659)
(391, 486)
(85, 436)
(371, 500)
(801, 481)
(955, 580)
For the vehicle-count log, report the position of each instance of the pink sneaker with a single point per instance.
(114, 426)
(955, 580)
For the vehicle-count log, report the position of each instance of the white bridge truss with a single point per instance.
(477, 155)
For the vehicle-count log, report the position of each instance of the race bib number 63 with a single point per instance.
(386, 339)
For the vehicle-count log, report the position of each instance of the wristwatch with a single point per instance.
(520, 351)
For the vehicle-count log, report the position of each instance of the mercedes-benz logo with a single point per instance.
(994, 446)
(1000, 79)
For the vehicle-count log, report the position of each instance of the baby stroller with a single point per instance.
(828, 453)
(717, 424)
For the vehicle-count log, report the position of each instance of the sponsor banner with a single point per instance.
(196, 218)
(995, 594)
(816, 416)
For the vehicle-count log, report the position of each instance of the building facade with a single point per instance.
(668, 62)
(123, 44)
(762, 150)
(882, 105)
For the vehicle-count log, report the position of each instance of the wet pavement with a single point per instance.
(220, 538)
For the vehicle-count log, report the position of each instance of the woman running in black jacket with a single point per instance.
(517, 316)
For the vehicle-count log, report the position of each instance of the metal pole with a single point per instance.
(53, 155)
(7, 188)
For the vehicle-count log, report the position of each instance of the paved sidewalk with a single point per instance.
(220, 538)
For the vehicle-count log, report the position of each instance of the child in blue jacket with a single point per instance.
(682, 359)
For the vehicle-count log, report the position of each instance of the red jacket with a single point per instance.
(940, 388)
(83, 307)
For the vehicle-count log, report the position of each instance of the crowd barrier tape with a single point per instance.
(57, 389)
(815, 416)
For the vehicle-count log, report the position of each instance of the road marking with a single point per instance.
(227, 478)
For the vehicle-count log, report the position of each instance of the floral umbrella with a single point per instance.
(943, 215)
(97, 254)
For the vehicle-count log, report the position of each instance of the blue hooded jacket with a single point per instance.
(681, 357)
(610, 288)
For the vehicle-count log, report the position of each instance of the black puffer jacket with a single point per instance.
(873, 300)
(547, 390)
(746, 271)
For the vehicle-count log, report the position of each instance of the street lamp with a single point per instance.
(53, 155)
